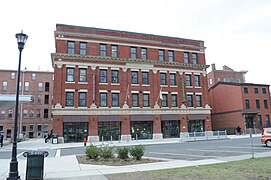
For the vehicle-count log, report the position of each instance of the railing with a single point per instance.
(186, 136)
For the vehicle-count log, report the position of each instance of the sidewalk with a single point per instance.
(67, 167)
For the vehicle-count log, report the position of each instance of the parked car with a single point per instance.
(266, 137)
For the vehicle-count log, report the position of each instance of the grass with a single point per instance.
(83, 159)
(258, 169)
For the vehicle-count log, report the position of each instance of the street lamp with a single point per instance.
(21, 113)
(13, 168)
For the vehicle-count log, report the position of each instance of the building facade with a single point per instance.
(245, 105)
(34, 118)
(118, 85)
(225, 75)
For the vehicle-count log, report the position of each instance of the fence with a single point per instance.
(186, 136)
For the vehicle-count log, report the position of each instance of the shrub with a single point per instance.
(92, 152)
(137, 152)
(122, 152)
(106, 152)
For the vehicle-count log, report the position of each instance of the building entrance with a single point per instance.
(141, 129)
(171, 129)
(75, 131)
(106, 130)
(196, 126)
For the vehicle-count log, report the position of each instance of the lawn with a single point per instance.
(258, 169)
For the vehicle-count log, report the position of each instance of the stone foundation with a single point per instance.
(157, 136)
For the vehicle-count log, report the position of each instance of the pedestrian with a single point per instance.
(1, 139)
(238, 130)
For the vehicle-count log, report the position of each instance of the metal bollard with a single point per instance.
(102, 140)
(218, 134)
(119, 138)
(111, 138)
(136, 138)
(194, 135)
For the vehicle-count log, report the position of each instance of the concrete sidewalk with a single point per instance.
(67, 167)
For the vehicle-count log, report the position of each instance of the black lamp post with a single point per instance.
(13, 170)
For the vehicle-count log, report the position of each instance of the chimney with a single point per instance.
(213, 67)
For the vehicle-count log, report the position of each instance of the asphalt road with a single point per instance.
(196, 150)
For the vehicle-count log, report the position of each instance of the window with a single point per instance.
(134, 77)
(164, 100)
(265, 104)
(161, 55)
(1, 128)
(103, 76)
(31, 127)
(13, 75)
(83, 48)
(267, 117)
(174, 100)
(198, 100)
(114, 49)
(25, 114)
(70, 75)
(39, 127)
(32, 99)
(45, 113)
(133, 52)
(172, 79)
(82, 75)
(144, 53)
(190, 100)
(47, 86)
(115, 99)
(38, 113)
(186, 57)
(10, 114)
(26, 86)
(197, 80)
(31, 113)
(33, 76)
(115, 76)
(82, 99)
(245, 90)
(188, 80)
(4, 85)
(171, 56)
(264, 90)
(247, 104)
(102, 49)
(258, 106)
(46, 99)
(260, 123)
(195, 58)
(71, 47)
(145, 78)
(39, 99)
(256, 91)
(69, 99)
(40, 88)
(163, 78)
(135, 100)
(103, 99)
(146, 100)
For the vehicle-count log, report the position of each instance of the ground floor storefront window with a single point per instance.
(141, 129)
(196, 126)
(75, 131)
(106, 130)
(171, 129)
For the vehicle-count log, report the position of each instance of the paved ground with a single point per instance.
(67, 167)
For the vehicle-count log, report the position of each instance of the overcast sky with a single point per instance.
(236, 33)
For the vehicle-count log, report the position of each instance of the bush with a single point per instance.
(137, 152)
(122, 152)
(106, 152)
(92, 152)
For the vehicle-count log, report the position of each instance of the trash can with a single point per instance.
(35, 164)
(54, 139)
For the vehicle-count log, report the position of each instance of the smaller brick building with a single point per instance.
(240, 104)
(34, 119)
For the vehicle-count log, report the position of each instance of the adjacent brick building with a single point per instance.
(118, 85)
(245, 105)
(36, 115)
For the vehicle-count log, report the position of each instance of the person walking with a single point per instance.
(1, 139)
(238, 130)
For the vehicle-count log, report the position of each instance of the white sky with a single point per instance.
(237, 33)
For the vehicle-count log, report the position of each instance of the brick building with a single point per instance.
(240, 104)
(225, 75)
(35, 115)
(124, 85)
